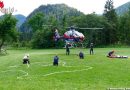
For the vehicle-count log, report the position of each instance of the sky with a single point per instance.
(25, 7)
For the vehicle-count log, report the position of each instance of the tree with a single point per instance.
(7, 29)
(90, 21)
(124, 29)
(112, 23)
(42, 39)
(42, 33)
(37, 21)
(31, 25)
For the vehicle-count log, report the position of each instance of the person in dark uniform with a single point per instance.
(91, 48)
(56, 60)
(81, 55)
(67, 49)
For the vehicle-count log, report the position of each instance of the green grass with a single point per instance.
(95, 72)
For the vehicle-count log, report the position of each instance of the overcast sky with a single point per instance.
(25, 7)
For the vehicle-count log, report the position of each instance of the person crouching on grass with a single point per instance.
(111, 54)
(81, 55)
(55, 61)
(26, 59)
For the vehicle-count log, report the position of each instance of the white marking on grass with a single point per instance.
(25, 74)
(13, 66)
(63, 63)
(28, 64)
(21, 76)
(46, 65)
(7, 71)
(68, 71)
(35, 63)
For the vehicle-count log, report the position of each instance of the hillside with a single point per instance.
(20, 18)
(56, 10)
(123, 8)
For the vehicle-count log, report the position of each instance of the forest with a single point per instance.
(38, 29)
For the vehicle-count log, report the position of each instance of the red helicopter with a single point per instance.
(71, 36)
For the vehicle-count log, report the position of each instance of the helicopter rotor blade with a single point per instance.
(91, 28)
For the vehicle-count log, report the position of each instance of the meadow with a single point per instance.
(94, 72)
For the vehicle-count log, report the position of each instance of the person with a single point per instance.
(111, 54)
(81, 55)
(67, 49)
(26, 59)
(56, 60)
(56, 35)
(118, 56)
(91, 48)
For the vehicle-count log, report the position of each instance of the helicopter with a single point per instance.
(70, 37)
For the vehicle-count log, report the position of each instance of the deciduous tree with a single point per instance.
(7, 29)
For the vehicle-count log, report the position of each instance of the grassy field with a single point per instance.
(95, 72)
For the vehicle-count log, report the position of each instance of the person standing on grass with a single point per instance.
(55, 61)
(91, 48)
(67, 49)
